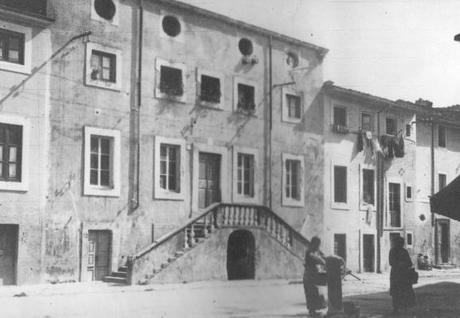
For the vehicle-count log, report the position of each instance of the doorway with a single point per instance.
(368, 253)
(443, 240)
(241, 255)
(99, 253)
(8, 253)
(209, 179)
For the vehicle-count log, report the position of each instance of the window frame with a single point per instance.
(387, 218)
(445, 136)
(93, 190)
(114, 21)
(408, 185)
(407, 233)
(371, 121)
(199, 73)
(244, 81)
(345, 108)
(439, 173)
(115, 86)
(339, 205)
(285, 105)
(241, 198)
(363, 205)
(163, 194)
(289, 202)
(26, 67)
(23, 184)
(396, 125)
(181, 36)
(177, 65)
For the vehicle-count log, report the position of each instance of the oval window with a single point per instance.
(245, 47)
(105, 9)
(171, 26)
(292, 59)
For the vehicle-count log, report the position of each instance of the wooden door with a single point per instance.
(8, 254)
(208, 179)
(368, 253)
(99, 252)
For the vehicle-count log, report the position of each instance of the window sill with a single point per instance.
(292, 203)
(163, 96)
(24, 17)
(246, 113)
(243, 199)
(387, 228)
(101, 192)
(291, 120)
(13, 186)
(165, 195)
(210, 105)
(14, 67)
(340, 206)
(104, 85)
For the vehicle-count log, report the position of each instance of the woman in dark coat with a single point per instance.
(400, 286)
(314, 264)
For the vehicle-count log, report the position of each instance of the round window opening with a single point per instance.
(171, 26)
(422, 217)
(245, 47)
(292, 59)
(105, 9)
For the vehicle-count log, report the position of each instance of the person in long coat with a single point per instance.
(314, 266)
(400, 286)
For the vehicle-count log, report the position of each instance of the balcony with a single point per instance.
(28, 12)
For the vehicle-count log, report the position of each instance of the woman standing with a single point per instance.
(400, 285)
(312, 278)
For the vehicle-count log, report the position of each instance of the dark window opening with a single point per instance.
(245, 47)
(340, 184)
(368, 186)
(340, 245)
(246, 98)
(10, 152)
(105, 9)
(408, 130)
(11, 47)
(210, 89)
(171, 26)
(245, 175)
(409, 193)
(442, 181)
(171, 81)
(293, 106)
(340, 116)
(409, 239)
(241, 248)
(103, 66)
(442, 136)
(394, 204)
(292, 59)
(293, 179)
(391, 128)
(366, 122)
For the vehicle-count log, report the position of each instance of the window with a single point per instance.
(170, 80)
(10, 152)
(394, 236)
(101, 168)
(408, 130)
(105, 11)
(293, 105)
(11, 46)
(103, 66)
(340, 245)
(442, 136)
(409, 194)
(442, 181)
(245, 175)
(293, 180)
(409, 239)
(246, 47)
(246, 98)
(171, 26)
(391, 128)
(366, 122)
(210, 89)
(340, 184)
(102, 162)
(368, 189)
(292, 59)
(394, 204)
(340, 116)
(170, 167)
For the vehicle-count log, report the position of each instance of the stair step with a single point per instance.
(113, 279)
(123, 269)
(119, 274)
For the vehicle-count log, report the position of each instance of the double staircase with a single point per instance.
(166, 250)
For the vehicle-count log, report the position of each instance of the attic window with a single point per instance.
(246, 47)
(210, 89)
(246, 98)
(171, 26)
(292, 59)
(105, 9)
(171, 81)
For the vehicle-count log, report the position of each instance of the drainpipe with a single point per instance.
(270, 112)
(380, 205)
(433, 217)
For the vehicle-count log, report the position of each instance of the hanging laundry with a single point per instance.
(359, 142)
(399, 147)
(376, 146)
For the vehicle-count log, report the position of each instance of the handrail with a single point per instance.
(168, 236)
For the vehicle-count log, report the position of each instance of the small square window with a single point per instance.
(12, 46)
(366, 122)
(171, 82)
(246, 98)
(442, 136)
(293, 106)
(391, 128)
(210, 89)
(340, 116)
(103, 66)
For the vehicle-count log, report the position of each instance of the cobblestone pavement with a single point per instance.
(437, 294)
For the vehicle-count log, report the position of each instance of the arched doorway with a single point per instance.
(241, 255)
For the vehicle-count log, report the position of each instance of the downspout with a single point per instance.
(270, 112)
(380, 193)
(433, 217)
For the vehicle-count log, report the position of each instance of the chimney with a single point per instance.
(424, 103)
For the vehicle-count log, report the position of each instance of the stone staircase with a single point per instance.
(166, 250)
